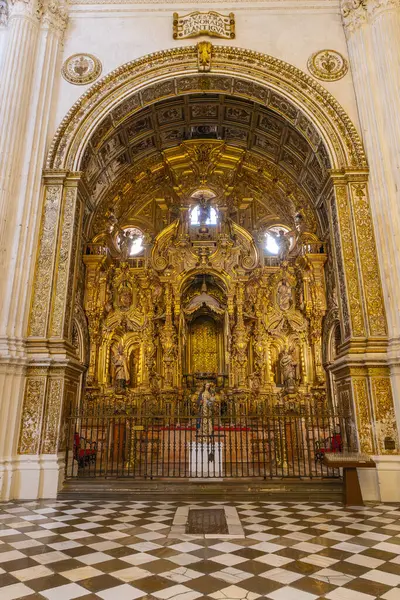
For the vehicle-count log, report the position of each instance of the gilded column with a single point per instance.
(169, 341)
(373, 36)
(363, 353)
(240, 339)
(351, 299)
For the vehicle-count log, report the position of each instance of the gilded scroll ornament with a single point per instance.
(364, 417)
(203, 23)
(31, 420)
(204, 50)
(45, 261)
(63, 264)
(350, 263)
(77, 218)
(327, 65)
(81, 69)
(385, 417)
(369, 261)
(52, 416)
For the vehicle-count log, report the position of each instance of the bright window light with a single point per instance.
(194, 216)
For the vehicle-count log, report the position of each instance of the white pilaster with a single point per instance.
(373, 36)
(35, 31)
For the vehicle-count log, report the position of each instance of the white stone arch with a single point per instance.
(145, 80)
(162, 75)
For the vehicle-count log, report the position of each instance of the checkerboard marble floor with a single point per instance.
(60, 550)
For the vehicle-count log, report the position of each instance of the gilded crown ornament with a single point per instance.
(327, 65)
(81, 69)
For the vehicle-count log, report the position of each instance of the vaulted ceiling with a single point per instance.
(281, 164)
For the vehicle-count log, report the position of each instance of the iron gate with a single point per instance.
(269, 444)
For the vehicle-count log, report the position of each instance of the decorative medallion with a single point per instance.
(204, 23)
(81, 69)
(327, 65)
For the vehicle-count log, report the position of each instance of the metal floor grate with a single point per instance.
(208, 520)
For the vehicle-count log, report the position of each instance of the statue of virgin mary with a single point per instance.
(205, 402)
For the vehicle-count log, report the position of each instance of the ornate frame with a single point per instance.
(142, 82)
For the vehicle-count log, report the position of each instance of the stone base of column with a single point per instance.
(7, 469)
(33, 477)
(383, 483)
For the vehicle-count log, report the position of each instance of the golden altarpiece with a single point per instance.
(207, 297)
(203, 299)
(174, 187)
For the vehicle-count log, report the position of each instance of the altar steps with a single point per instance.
(328, 490)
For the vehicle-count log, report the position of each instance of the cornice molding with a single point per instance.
(188, 5)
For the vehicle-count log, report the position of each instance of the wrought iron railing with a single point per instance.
(272, 443)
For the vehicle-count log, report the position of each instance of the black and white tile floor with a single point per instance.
(60, 550)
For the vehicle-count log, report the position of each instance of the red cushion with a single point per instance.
(336, 442)
(86, 452)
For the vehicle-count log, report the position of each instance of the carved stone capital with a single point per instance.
(356, 13)
(25, 8)
(3, 12)
(377, 7)
(55, 15)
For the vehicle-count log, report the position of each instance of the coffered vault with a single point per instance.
(279, 163)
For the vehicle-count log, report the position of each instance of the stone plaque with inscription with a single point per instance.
(204, 23)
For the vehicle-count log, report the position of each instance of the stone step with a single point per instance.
(237, 489)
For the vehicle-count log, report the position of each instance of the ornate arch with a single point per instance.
(265, 79)
(321, 120)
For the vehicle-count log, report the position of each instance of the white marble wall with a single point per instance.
(287, 29)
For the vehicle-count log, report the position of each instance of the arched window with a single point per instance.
(195, 216)
(131, 240)
(202, 206)
(271, 241)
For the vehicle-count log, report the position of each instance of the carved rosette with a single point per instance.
(81, 69)
(327, 65)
